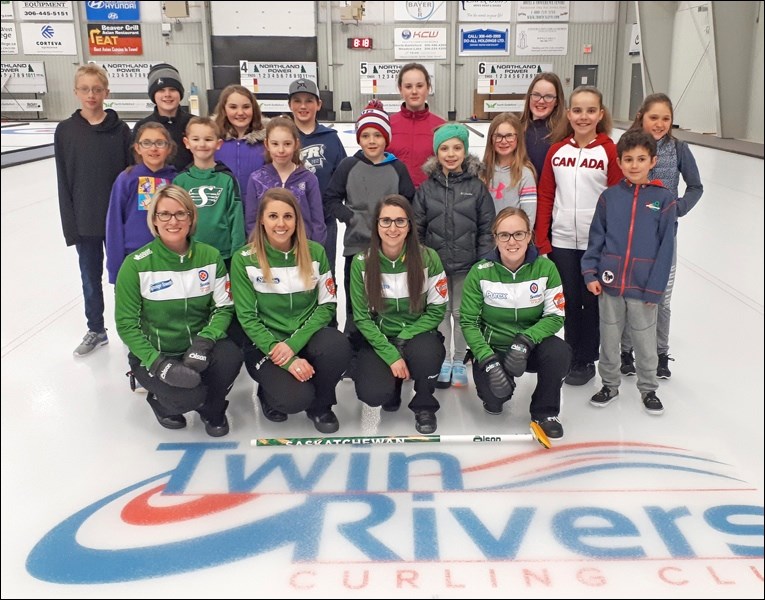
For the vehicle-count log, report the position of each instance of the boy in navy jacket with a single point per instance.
(629, 256)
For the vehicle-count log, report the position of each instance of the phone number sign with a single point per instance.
(45, 11)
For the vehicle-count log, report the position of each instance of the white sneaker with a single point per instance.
(90, 342)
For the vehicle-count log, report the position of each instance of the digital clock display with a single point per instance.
(360, 43)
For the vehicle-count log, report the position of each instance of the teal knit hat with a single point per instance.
(449, 131)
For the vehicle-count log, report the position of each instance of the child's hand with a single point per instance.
(594, 287)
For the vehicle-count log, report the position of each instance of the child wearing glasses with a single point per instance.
(454, 211)
(508, 173)
(544, 108)
(133, 190)
(399, 295)
(629, 257)
(213, 189)
(512, 308)
(91, 147)
(172, 309)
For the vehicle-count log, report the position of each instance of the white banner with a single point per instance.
(544, 40)
(10, 44)
(142, 105)
(381, 79)
(48, 38)
(491, 12)
(419, 11)
(45, 11)
(21, 105)
(274, 77)
(543, 11)
(127, 77)
(419, 43)
(635, 40)
(24, 77)
(507, 78)
(498, 106)
(6, 10)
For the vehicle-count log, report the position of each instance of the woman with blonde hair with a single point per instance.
(285, 298)
(172, 312)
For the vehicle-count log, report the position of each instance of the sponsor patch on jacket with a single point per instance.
(331, 287)
(204, 280)
(143, 254)
(160, 285)
(442, 287)
(654, 206)
(559, 301)
(485, 265)
(607, 276)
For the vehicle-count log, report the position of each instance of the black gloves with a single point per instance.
(517, 355)
(400, 345)
(173, 372)
(197, 357)
(499, 383)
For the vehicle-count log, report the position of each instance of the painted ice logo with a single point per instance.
(178, 521)
(47, 32)
(160, 285)
(203, 275)
(607, 277)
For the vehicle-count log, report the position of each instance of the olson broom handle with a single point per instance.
(367, 440)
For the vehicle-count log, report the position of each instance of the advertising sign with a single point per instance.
(543, 11)
(45, 11)
(127, 77)
(274, 77)
(112, 11)
(419, 43)
(507, 78)
(24, 77)
(10, 44)
(489, 12)
(484, 40)
(48, 38)
(115, 38)
(381, 79)
(546, 40)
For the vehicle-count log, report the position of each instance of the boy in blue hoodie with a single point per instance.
(320, 149)
(629, 256)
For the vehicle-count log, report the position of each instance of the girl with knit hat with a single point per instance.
(166, 92)
(359, 183)
(454, 212)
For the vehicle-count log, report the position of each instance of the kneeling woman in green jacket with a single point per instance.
(512, 307)
(172, 312)
(399, 295)
(285, 297)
